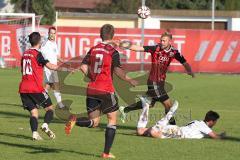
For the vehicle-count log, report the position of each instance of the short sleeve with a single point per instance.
(116, 59)
(150, 49)
(179, 57)
(86, 58)
(205, 129)
(41, 60)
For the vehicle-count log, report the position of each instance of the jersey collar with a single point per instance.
(168, 49)
(160, 45)
(34, 49)
(107, 43)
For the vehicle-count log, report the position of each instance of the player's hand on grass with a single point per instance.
(223, 135)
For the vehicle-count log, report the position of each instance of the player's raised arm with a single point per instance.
(134, 47)
(128, 45)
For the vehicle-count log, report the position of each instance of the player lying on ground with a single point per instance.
(162, 55)
(31, 89)
(49, 51)
(193, 130)
(98, 65)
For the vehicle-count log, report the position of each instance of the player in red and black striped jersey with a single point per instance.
(162, 55)
(31, 89)
(99, 65)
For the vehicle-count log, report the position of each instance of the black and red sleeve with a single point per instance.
(150, 49)
(86, 58)
(41, 60)
(116, 59)
(179, 57)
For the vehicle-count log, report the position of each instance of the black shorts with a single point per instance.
(35, 100)
(106, 103)
(156, 91)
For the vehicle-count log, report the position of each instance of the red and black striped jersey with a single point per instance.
(161, 59)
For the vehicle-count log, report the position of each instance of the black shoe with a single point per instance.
(172, 121)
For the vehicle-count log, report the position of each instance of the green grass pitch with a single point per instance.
(196, 96)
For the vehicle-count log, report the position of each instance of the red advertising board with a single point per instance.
(206, 51)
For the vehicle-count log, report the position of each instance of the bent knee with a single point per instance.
(49, 108)
(140, 132)
(95, 123)
(155, 134)
(143, 132)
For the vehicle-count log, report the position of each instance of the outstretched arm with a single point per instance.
(136, 48)
(188, 69)
(214, 135)
(121, 74)
(56, 67)
(45, 62)
(60, 59)
(51, 66)
(128, 45)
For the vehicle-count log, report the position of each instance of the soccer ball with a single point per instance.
(143, 12)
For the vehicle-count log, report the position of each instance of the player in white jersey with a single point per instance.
(193, 130)
(50, 52)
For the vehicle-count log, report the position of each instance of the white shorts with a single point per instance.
(169, 131)
(50, 76)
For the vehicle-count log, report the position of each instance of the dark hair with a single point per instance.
(107, 32)
(211, 116)
(34, 38)
(53, 28)
(167, 34)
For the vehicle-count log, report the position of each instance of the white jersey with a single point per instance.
(50, 51)
(195, 129)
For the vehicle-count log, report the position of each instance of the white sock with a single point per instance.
(45, 125)
(143, 119)
(35, 132)
(164, 121)
(58, 97)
